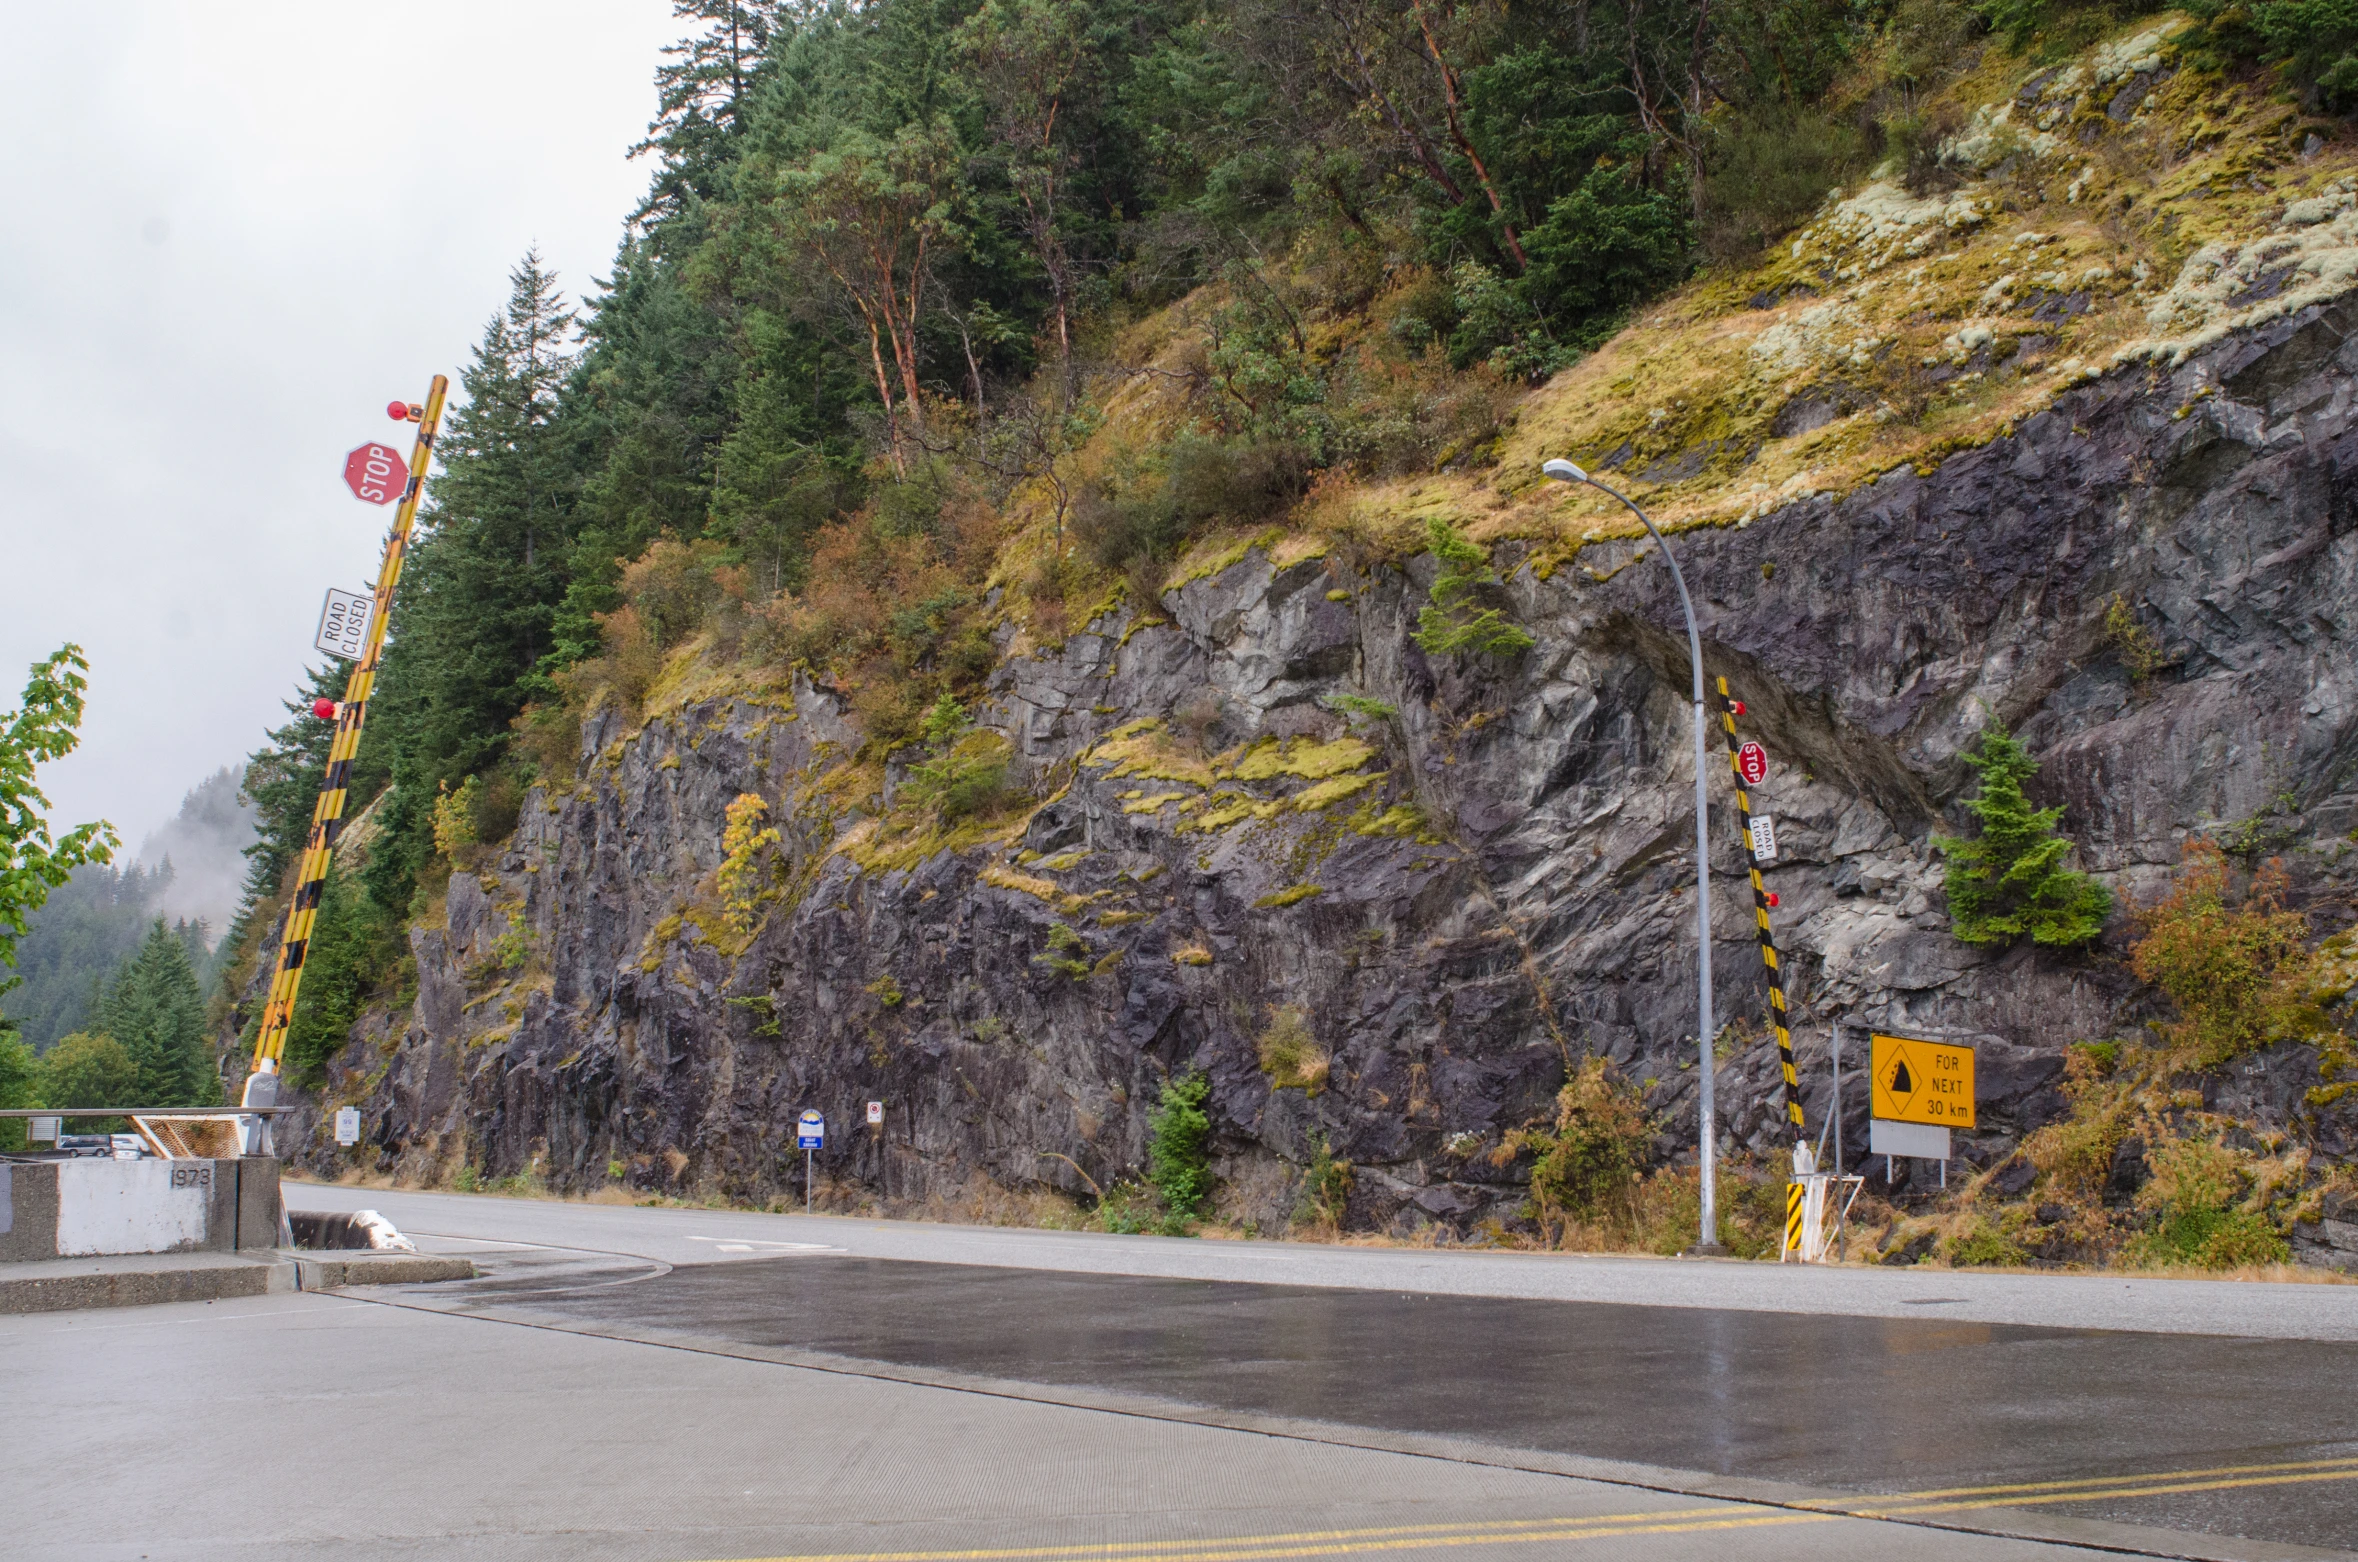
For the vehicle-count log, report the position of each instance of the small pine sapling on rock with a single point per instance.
(1453, 620)
(2010, 880)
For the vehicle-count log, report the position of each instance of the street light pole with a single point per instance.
(1707, 1243)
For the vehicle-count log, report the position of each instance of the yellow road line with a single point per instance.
(1905, 1511)
(1326, 1543)
(1678, 1521)
(2128, 1480)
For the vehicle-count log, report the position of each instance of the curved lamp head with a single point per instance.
(1564, 471)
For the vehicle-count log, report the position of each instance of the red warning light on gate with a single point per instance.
(325, 710)
(376, 473)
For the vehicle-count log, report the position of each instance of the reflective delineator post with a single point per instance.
(327, 815)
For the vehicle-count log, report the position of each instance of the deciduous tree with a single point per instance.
(45, 727)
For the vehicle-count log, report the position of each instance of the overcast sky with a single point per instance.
(233, 233)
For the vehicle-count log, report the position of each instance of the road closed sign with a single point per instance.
(343, 625)
(1918, 1081)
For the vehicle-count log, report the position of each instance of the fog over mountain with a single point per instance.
(205, 843)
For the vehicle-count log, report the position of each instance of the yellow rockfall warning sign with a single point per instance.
(1919, 1081)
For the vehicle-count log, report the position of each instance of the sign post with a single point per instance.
(374, 473)
(810, 1134)
(1917, 1091)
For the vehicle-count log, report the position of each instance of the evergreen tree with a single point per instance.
(701, 93)
(477, 600)
(91, 924)
(282, 783)
(2010, 880)
(156, 1011)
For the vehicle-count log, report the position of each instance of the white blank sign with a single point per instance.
(1888, 1137)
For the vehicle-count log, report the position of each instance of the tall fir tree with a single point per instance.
(156, 1010)
(702, 93)
(473, 620)
(2010, 880)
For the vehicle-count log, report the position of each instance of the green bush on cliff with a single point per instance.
(1179, 1159)
(2009, 880)
(1455, 620)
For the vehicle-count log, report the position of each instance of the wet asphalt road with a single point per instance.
(1847, 1404)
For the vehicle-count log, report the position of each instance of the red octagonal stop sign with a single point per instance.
(1752, 764)
(376, 473)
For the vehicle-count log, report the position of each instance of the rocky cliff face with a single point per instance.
(1460, 899)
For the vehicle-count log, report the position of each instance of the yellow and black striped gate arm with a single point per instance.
(1760, 914)
(1768, 956)
(327, 817)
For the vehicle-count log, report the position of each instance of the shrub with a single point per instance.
(2010, 880)
(2075, 1155)
(2315, 40)
(623, 672)
(548, 739)
(1983, 1241)
(87, 1069)
(2237, 972)
(1771, 167)
(673, 586)
(455, 834)
(1453, 620)
(1326, 1187)
(1134, 524)
(743, 840)
(1607, 246)
(2139, 651)
(20, 1086)
(1179, 1161)
(498, 804)
(1586, 1168)
(1067, 953)
(2193, 1197)
(1290, 1053)
(967, 772)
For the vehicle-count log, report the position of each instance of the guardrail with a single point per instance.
(145, 1111)
(172, 1132)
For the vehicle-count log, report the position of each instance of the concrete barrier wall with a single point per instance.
(85, 1208)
